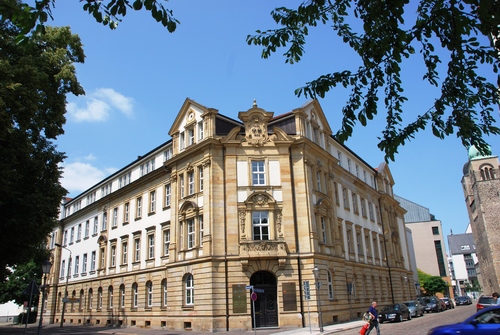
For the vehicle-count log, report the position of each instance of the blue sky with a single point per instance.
(137, 77)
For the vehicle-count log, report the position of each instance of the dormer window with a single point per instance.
(182, 139)
(191, 136)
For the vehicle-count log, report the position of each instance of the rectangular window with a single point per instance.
(200, 178)
(168, 194)
(359, 243)
(96, 223)
(370, 211)
(84, 263)
(339, 157)
(200, 223)
(182, 140)
(126, 212)
(63, 268)
(349, 242)
(152, 201)
(191, 136)
(258, 173)
(349, 164)
(166, 242)
(72, 236)
(138, 213)
(87, 228)
(77, 264)
(190, 233)
(435, 230)
(135, 297)
(92, 261)
(181, 182)
(137, 249)
(191, 182)
(200, 131)
(104, 221)
(167, 154)
(124, 252)
(79, 232)
(345, 198)
(65, 237)
(318, 180)
(113, 256)
(150, 294)
(323, 229)
(151, 246)
(357, 170)
(260, 225)
(354, 202)
(115, 217)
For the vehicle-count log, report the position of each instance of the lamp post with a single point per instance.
(318, 285)
(66, 287)
(46, 270)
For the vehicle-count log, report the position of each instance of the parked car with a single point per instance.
(396, 312)
(432, 304)
(484, 301)
(484, 322)
(415, 307)
(448, 302)
(463, 300)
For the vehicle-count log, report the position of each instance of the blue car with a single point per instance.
(484, 322)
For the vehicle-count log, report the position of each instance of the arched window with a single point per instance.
(90, 296)
(110, 297)
(135, 295)
(330, 285)
(122, 296)
(189, 289)
(149, 294)
(99, 298)
(164, 293)
(80, 305)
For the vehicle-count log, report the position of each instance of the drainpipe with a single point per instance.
(385, 248)
(226, 273)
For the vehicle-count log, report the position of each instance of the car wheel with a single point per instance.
(400, 318)
(409, 316)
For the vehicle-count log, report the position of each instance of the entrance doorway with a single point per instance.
(266, 305)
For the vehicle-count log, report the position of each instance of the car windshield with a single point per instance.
(410, 303)
(389, 308)
(485, 300)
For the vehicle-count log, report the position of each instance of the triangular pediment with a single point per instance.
(316, 116)
(190, 113)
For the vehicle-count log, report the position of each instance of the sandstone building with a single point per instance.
(177, 238)
(481, 185)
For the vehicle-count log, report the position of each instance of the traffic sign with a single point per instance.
(249, 287)
(307, 290)
(253, 296)
(258, 290)
(70, 300)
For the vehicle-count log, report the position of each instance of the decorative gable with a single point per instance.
(255, 121)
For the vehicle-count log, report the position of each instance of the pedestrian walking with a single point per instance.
(495, 298)
(374, 318)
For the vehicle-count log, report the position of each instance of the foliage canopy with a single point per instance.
(34, 79)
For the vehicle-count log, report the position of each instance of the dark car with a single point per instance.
(484, 301)
(448, 302)
(396, 312)
(415, 307)
(484, 322)
(432, 304)
(463, 300)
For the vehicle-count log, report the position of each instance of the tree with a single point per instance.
(467, 31)
(431, 284)
(34, 79)
(31, 19)
(19, 279)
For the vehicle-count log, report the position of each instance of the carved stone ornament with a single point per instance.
(260, 199)
(242, 215)
(207, 162)
(256, 131)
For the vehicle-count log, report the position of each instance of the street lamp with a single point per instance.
(318, 285)
(66, 287)
(46, 270)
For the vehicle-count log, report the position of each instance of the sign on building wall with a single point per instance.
(239, 298)
(289, 297)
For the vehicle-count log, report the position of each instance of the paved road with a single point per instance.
(420, 325)
(416, 326)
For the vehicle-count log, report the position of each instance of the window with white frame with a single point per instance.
(96, 224)
(147, 167)
(99, 298)
(182, 141)
(357, 170)
(260, 225)
(164, 295)
(349, 164)
(87, 228)
(370, 211)
(330, 285)
(65, 242)
(152, 201)
(339, 157)
(181, 184)
(91, 297)
(168, 194)
(363, 207)
(126, 212)
(63, 269)
(122, 296)
(364, 176)
(167, 154)
(77, 265)
(110, 295)
(359, 243)
(166, 242)
(189, 289)
(323, 229)
(354, 202)
(113, 256)
(124, 252)
(200, 224)
(72, 236)
(190, 132)
(345, 198)
(105, 190)
(115, 217)
(104, 221)
(90, 198)
(200, 130)
(124, 180)
(190, 233)
(84, 264)
(318, 180)
(138, 209)
(200, 178)
(135, 295)
(79, 232)
(137, 249)
(151, 246)
(149, 294)
(349, 241)
(258, 173)
(92, 261)
(190, 182)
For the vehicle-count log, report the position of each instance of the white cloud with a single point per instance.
(99, 105)
(78, 177)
